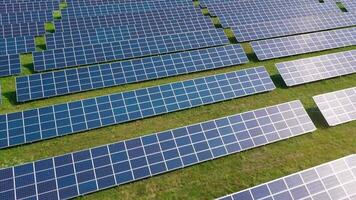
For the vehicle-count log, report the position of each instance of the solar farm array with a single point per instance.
(104, 93)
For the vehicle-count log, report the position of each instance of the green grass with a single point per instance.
(210, 179)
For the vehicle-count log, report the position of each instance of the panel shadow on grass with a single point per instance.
(11, 97)
(317, 118)
(278, 81)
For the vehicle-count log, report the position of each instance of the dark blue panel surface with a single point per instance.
(137, 104)
(101, 167)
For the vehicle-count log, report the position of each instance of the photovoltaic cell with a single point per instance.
(95, 169)
(10, 65)
(332, 180)
(306, 43)
(292, 26)
(22, 29)
(97, 10)
(337, 107)
(151, 17)
(108, 2)
(77, 116)
(277, 13)
(126, 49)
(317, 68)
(78, 36)
(17, 45)
(275, 7)
(24, 17)
(253, 4)
(6, 7)
(57, 83)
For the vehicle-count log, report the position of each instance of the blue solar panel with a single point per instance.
(23, 29)
(249, 16)
(273, 9)
(77, 36)
(6, 7)
(97, 53)
(253, 4)
(167, 4)
(17, 45)
(332, 180)
(292, 26)
(149, 17)
(23, 17)
(299, 44)
(97, 10)
(57, 83)
(10, 65)
(77, 116)
(317, 68)
(90, 170)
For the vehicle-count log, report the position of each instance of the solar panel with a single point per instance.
(77, 116)
(299, 44)
(126, 49)
(270, 7)
(78, 36)
(10, 65)
(23, 17)
(57, 83)
(292, 26)
(17, 45)
(317, 68)
(276, 13)
(23, 29)
(337, 107)
(131, 19)
(95, 169)
(105, 2)
(97, 10)
(332, 180)
(6, 7)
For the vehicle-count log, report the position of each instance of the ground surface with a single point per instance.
(211, 179)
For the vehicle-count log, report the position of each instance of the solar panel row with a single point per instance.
(291, 26)
(108, 2)
(125, 8)
(244, 5)
(7, 7)
(23, 17)
(57, 83)
(90, 170)
(332, 180)
(67, 118)
(10, 65)
(306, 43)
(152, 17)
(253, 7)
(256, 16)
(337, 107)
(317, 68)
(23, 29)
(126, 49)
(79, 36)
(17, 45)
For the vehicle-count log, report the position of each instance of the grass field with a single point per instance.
(214, 178)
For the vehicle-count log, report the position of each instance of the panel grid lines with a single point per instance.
(332, 180)
(306, 43)
(292, 26)
(126, 161)
(337, 107)
(81, 36)
(126, 49)
(10, 65)
(24, 126)
(317, 68)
